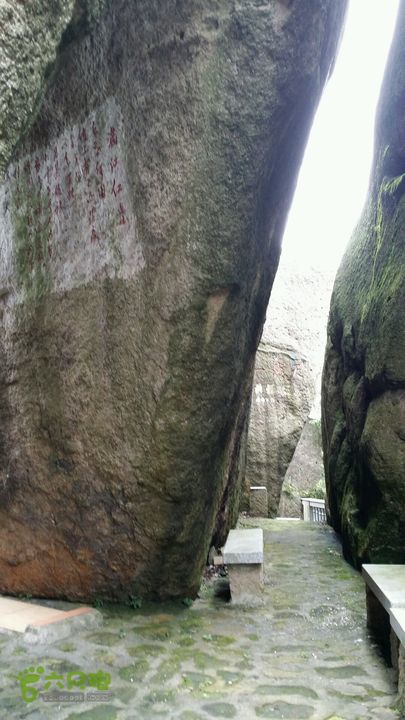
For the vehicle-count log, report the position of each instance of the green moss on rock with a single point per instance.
(364, 372)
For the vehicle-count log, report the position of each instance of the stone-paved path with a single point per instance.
(304, 656)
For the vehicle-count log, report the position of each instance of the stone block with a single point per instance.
(70, 625)
(258, 501)
(246, 583)
(244, 547)
(387, 582)
(41, 623)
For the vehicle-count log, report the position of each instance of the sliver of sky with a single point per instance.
(334, 176)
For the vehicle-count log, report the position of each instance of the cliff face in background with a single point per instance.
(287, 380)
(305, 475)
(140, 226)
(364, 373)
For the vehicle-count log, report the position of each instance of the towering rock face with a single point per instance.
(287, 377)
(364, 373)
(140, 229)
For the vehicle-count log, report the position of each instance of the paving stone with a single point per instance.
(220, 710)
(289, 711)
(102, 712)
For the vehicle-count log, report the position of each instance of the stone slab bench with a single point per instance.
(243, 556)
(385, 588)
(37, 623)
(386, 583)
(385, 599)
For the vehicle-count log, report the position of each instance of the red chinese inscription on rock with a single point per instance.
(76, 188)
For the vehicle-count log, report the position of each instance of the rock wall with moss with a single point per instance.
(140, 227)
(364, 372)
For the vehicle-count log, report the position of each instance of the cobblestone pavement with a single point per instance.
(305, 655)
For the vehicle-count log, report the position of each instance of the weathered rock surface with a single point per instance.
(364, 374)
(305, 474)
(287, 377)
(140, 231)
(31, 33)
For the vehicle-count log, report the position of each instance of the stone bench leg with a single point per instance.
(378, 621)
(246, 584)
(395, 649)
(401, 676)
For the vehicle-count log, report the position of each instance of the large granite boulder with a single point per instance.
(140, 226)
(287, 380)
(364, 373)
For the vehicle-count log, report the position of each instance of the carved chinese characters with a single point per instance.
(71, 214)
